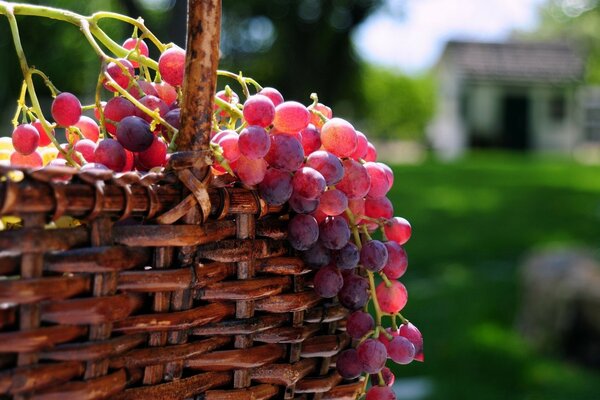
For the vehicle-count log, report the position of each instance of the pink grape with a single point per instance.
(380, 393)
(231, 98)
(317, 255)
(401, 350)
(141, 48)
(32, 160)
(301, 205)
(153, 156)
(315, 119)
(328, 281)
(259, 110)
(291, 117)
(355, 292)
(166, 92)
(111, 154)
(347, 257)
(398, 229)
(333, 202)
(413, 334)
(373, 255)
(372, 355)
(171, 65)
(285, 153)
(44, 138)
(359, 323)
(388, 173)
(134, 134)
(153, 103)
(361, 146)
(229, 142)
(115, 110)
(121, 72)
(303, 231)
(273, 94)
(254, 142)
(334, 233)
(356, 182)
(392, 299)
(371, 153)
(86, 147)
(311, 139)
(25, 139)
(397, 260)
(328, 165)
(276, 187)
(66, 109)
(379, 180)
(339, 137)
(348, 364)
(89, 128)
(250, 172)
(308, 183)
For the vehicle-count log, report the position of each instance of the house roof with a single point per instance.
(516, 61)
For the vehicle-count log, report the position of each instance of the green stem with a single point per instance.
(20, 104)
(378, 312)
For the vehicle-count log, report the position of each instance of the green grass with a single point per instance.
(474, 221)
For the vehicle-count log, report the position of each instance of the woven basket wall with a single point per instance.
(172, 287)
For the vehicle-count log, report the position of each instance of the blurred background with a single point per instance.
(489, 114)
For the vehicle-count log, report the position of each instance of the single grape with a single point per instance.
(25, 139)
(89, 128)
(66, 109)
(87, 148)
(316, 119)
(276, 188)
(347, 257)
(317, 256)
(391, 299)
(371, 152)
(387, 375)
(44, 138)
(379, 180)
(413, 334)
(401, 350)
(361, 146)
(373, 255)
(355, 292)
(311, 139)
(356, 182)
(173, 118)
(359, 323)
(115, 110)
(141, 88)
(388, 172)
(334, 233)
(121, 72)
(254, 142)
(285, 153)
(273, 94)
(259, 110)
(171, 65)
(301, 205)
(328, 165)
(138, 47)
(230, 97)
(328, 281)
(397, 260)
(380, 393)
(153, 103)
(153, 156)
(303, 231)
(357, 208)
(308, 183)
(166, 92)
(134, 134)
(333, 202)
(380, 207)
(111, 154)
(229, 142)
(291, 117)
(372, 355)
(398, 229)
(250, 172)
(348, 364)
(338, 136)
(32, 160)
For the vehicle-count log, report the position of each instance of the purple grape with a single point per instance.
(334, 233)
(348, 256)
(354, 294)
(254, 142)
(308, 183)
(372, 354)
(303, 231)
(373, 255)
(285, 153)
(302, 205)
(328, 281)
(397, 260)
(359, 323)
(111, 154)
(317, 256)
(276, 187)
(134, 134)
(328, 165)
(401, 350)
(259, 110)
(348, 364)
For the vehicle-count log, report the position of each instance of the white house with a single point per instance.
(514, 95)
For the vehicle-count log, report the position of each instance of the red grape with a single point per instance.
(89, 128)
(254, 142)
(339, 137)
(229, 142)
(334, 233)
(285, 153)
(371, 153)
(328, 281)
(398, 229)
(231, 98)
(372, 355)
(379, 180)
(44, 138)
(379, 208)
(333, 202)
(32, 160)
(348, 364)
(166, 92)
(397, 260)
(308, 183)
(291, 117)
(66, 109)
(327, 164)
(25, 139)
(391, 299)
(86, 147)
(373, 255)
(380, 393)
(361, 146)
(153, 103)
(359, 323)
(250, 172)
(153, 156)
(121, 72)
(311, 139)
(273, 94)
(134, 134)
(171, 65)
(356, 181)
(115, 110)
(139, 89)
(259, 110)
(276, 187)
(387, 375)
(111, 154)
(413, 334)
(316, 119)
(141, 48)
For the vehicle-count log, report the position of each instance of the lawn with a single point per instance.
(474, 221)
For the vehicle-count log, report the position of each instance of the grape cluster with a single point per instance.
(302, 157)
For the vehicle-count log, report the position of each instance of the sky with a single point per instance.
(409, 35)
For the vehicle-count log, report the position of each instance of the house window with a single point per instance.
(557, 108)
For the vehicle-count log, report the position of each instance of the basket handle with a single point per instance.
(199, 84)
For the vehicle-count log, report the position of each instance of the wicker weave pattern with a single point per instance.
(214, 310)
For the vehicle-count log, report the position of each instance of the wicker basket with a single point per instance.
(175, 285)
